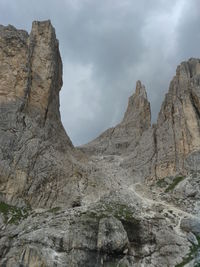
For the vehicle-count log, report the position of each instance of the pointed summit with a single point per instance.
(32, 136)
(140, 89)
(137, 119)
(138, 110)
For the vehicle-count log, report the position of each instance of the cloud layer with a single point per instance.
(106, 47)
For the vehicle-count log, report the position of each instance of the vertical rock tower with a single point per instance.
(34, 148)
(137, 119)
(178, 126)
(97, 208)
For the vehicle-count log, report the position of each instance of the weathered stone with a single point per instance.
(177, 133)
(93, 206)
(192, 161)
(191, 225)
(137, 119)
(111, 236)
(170, 147)
(192, 238)
(33, 144)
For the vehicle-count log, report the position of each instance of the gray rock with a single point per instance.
(177, 133)
(137, 119)
(192, 238)
(35, 151)
(192, 161)
(191, 225)
(111, 235)
(83, 206)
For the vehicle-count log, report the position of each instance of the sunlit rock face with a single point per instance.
(33, 142)
(178, 126)
(162, 150)
(129, 198)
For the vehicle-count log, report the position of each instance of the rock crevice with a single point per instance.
(130, 197)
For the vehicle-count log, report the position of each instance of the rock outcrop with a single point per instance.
(129, 198)
(163, 149)
(136, 121)
(177, 131)
(160, 150)
(34, 148)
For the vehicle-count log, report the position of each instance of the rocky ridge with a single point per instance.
(129, 198)
(165, 145)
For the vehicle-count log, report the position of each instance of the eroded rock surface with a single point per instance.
(129, 198)
(171, 146)
(178, 122)
(136, 121)
(36, 154)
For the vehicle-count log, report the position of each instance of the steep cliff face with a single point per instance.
(178, 132)
(94, 206)
(35, 152)
(162, 150)
(31, 71)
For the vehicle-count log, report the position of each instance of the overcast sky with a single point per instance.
(106, 46)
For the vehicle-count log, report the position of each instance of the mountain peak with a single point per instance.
(140, 90)
(138, 107)
(137, 119)
(30, 81)
(97, 206)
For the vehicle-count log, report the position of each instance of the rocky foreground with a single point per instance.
(129, 198)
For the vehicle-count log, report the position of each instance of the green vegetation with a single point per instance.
(175, 182)
(192, 254)
(116, 265)
(120, 211)
(161, 183)
(13, 214)
(54, 210)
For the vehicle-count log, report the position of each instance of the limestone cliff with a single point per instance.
(161, 150)
(34, 161)
(137, 119)
(166, 147)
(94, 206)
(178, 132)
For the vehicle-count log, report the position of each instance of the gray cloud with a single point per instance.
(106, 46)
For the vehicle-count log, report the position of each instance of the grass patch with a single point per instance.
(13, 214)
(119, 211)
(54, 210)
(192, 254)
(161, 183)
(175, 182)
(117, 264)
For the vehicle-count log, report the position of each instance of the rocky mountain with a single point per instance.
(129, 198)
(137, 119)
(36, 155)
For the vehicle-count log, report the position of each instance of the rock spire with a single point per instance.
(60, 206)
(137, 119)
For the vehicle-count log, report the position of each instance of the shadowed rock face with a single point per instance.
(93, 206)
